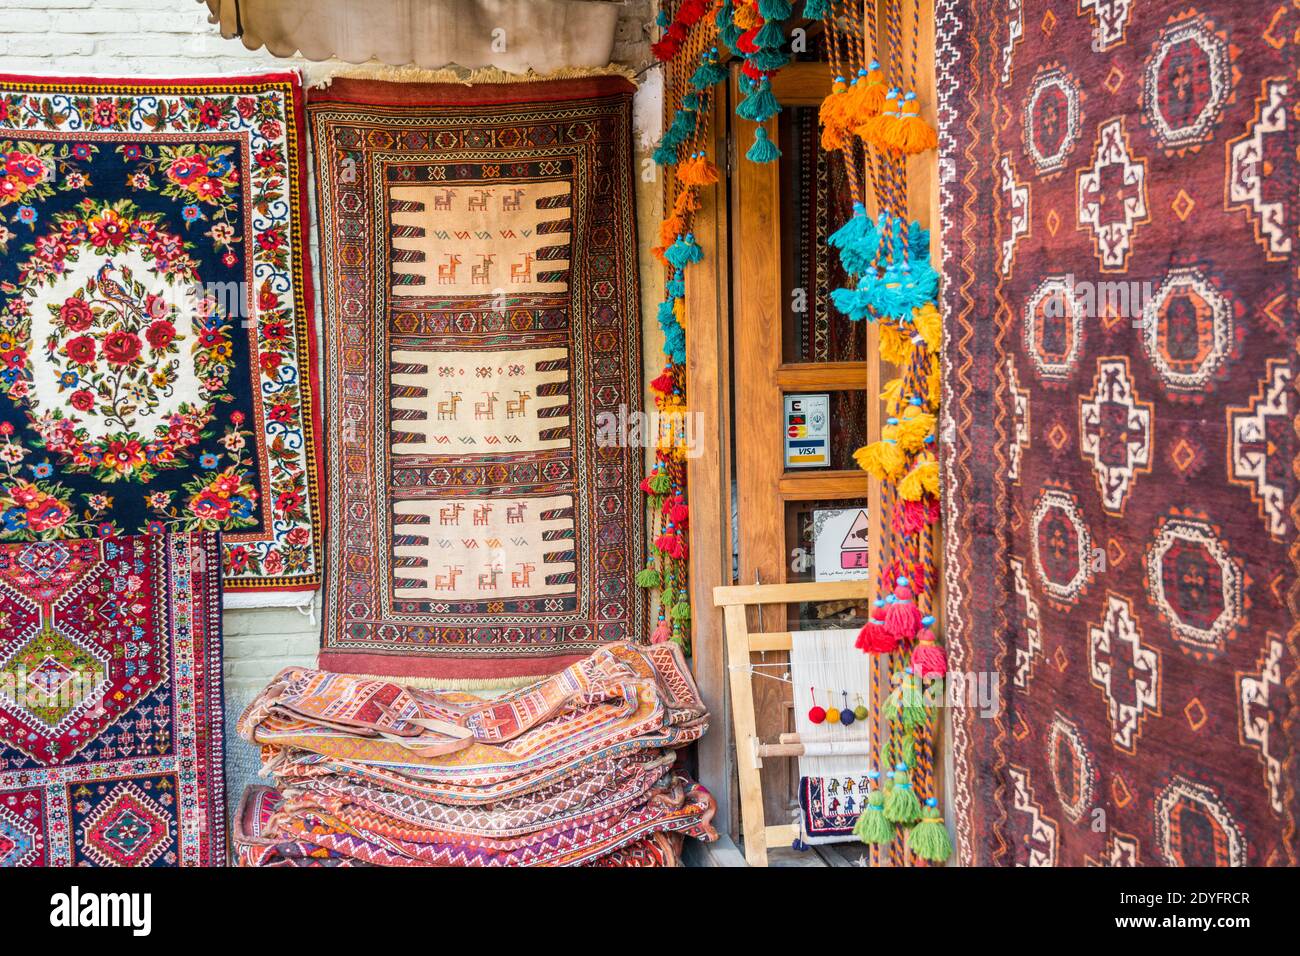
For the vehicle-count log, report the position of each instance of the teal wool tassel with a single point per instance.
(770, 35)
(760, 105)
(683, 125)
(775, 9)
(857, 240)
(707, 74)
(816, 9)
(665, 154)
(763, 150)
(768, 60)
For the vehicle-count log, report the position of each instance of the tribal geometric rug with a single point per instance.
(110, 702)
(156, 367)
(482, 326)
(1120, 443)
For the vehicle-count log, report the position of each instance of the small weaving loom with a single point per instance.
(832, 676)
(828, 756)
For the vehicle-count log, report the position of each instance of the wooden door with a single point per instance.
(775, 315)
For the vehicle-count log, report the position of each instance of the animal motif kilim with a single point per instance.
(156, 355)
(1119, 438)
(111, 702)
(483, 324)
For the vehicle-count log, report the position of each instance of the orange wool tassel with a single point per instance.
(747, 16)
(669, 230)
(697, 171)
(833, 116)
(911, 133)
(686, 202)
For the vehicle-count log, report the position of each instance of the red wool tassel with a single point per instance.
(912, 517)
(928, 658)
(745, 42)
(902, 617)
(672, 545)
(874, 640)
(675, 510)
(664, 383)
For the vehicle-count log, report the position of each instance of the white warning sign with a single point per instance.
(841, 544)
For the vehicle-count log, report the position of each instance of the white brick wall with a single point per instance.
(173, 37)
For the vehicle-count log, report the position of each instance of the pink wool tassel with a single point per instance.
(661, 633)
(928, 658)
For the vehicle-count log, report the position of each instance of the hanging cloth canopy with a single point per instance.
(511, 35)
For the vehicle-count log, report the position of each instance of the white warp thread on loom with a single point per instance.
(828, 665)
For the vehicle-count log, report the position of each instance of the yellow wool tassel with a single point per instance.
(922, 479)
(895, 345)
(912, 134)
(679, 311)
(934, 386)
(882, 459)
(929, 324)
(914, 428)
(892, 396)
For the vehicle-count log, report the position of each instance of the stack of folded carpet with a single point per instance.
(576, 769)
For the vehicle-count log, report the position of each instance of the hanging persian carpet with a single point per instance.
(1119, 400)
(155, 329)
(483, 328)
(111, 703)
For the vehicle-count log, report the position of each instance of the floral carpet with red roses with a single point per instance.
(156, 367)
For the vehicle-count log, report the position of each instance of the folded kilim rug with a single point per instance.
(1120, 453)
(111, 702)
(483, 327)
(156, 367)
(564, 772)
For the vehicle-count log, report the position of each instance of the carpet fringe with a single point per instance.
(465, 77)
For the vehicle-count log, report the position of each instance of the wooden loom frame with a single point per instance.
(735, 602)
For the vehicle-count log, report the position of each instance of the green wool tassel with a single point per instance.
(763, 150)
(682, 611)
(872, 825)
(775, 9)
(907, 750)
(901, 805)
(929, 838)
(648, 577)
(660, 483)
(912, 712)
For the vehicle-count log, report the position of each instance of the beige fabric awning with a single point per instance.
(512, 35)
